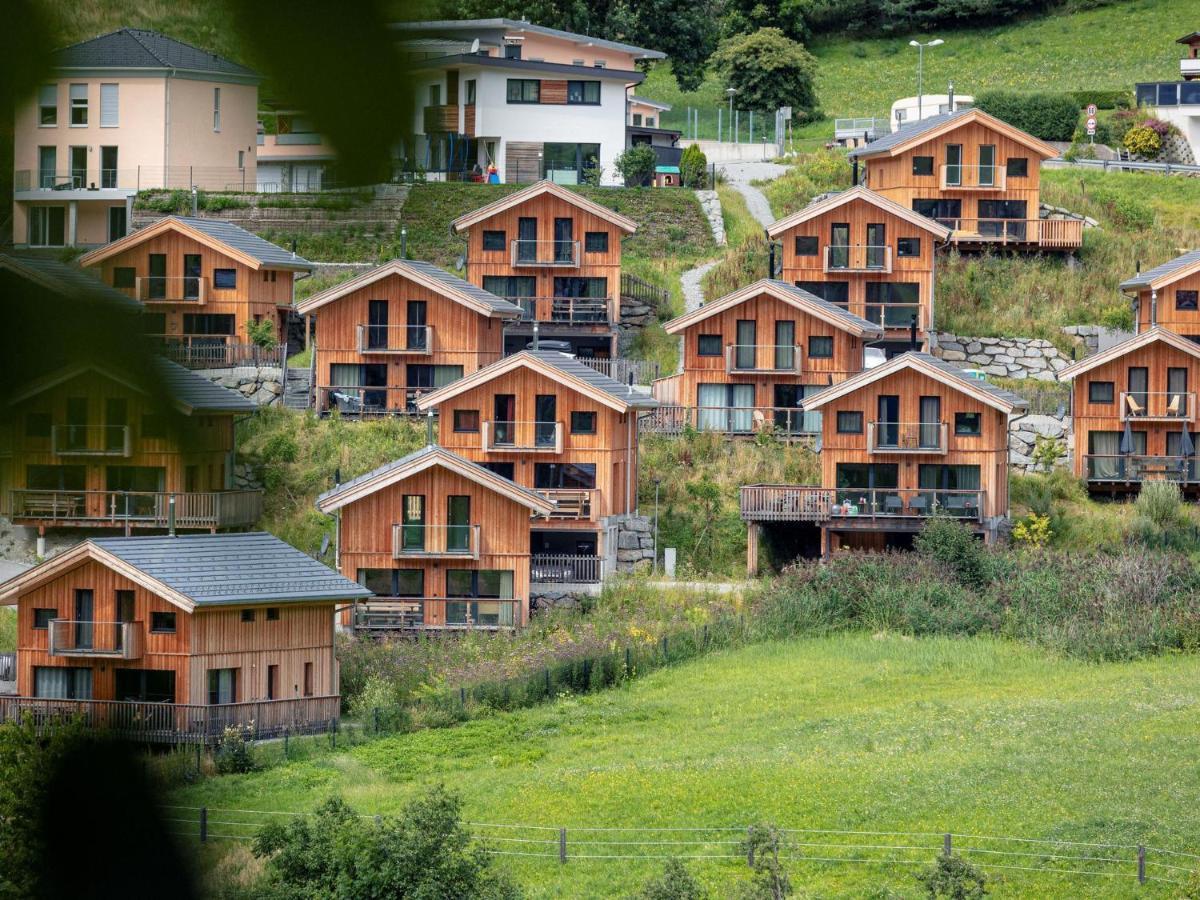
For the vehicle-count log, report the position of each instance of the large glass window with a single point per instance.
(47, 226)
(493, 584)
(565, 163)
(806, 245)
(524, 90)
(222, 686)
(145, 685)
(583, 92)
(62, 683)
(725, 407)
(830, 291)
(564, 476)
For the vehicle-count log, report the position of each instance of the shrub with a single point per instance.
(593, 172)
(953, 545)
(636, 166)
(1141, 140)
(262, 334)
(1047, 451)
(1160, 502)
(380, 705)
(1033, 530)
(693, 166)
(762, 847)
(233, 754)
(1104, 99)
(953, 878)
(675, 883)
(1051, 117)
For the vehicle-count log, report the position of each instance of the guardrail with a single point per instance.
(1157, 406)
(642, 371)
(565, 568)
(570, 503)
(858, 258)
(906, 437)
(356, 400)
(435, 540)
(217, 352)
(972, 177)
(1052, 233)
(412, 339)
(111, 640)
(1129, 165)
(171, 289)
(785, 503)
(565, 310)
(1129, 467)
(733, 421)
(437, 613)
(91, 440)
(748, 358)
(545, 253)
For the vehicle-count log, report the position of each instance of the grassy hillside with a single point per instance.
(864, 733)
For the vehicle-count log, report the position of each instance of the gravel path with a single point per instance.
(739, 176)
(693, 295)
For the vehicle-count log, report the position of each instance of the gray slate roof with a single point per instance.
(951, 369)
(1143, 279)
(221, 569)
(65, 279)
(449, 26)
(135, 48)
(569, 365)
(198, 392)
(499, 304)
(832, 308)
(270, 255)
(908, 132)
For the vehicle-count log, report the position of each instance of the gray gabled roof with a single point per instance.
(198, 393)
(906, 133)
(66, 279)
(1145, 279)
(570, 365)
(428, 269)
(832, 308)
(270, 255)
(448, 26)
(136, 48)
(230, 569)
(950, 369)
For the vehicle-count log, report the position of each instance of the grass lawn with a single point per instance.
(883, 733)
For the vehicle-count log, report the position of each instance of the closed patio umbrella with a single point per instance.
(1127, 440)
(1187, 447)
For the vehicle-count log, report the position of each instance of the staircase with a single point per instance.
(297, 389)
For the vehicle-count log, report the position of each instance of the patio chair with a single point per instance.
(917, 505)
(1173, 406)
(893, 505)
(1135, 408)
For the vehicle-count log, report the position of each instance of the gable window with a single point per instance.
(968, 424)
(922, 165)
(79, 104)
(216, 109)
(42, 617)
(595, 241)
(908, 246)
(849, 422)
(1100, 392)
(583, 423)
(225, 279)
(466, 420)
(583, 92)
(109, 105)
(806, 245)
(48, 104)
(493, 240)
(524, 90)
(708, 345)
(247, 615)
(820, 346)
(1017, 167)
(1186, 300)
(162, 623)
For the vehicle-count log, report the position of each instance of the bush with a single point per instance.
(1104, 99)
(380, 707)
(233, 756)
(953, 878)
(953, 545)
(675, 883)
(1051, 117)
(1141, 140)
(636, 166)
(1033, 531)
(1160, 502)
(693, 167)
(262, 334)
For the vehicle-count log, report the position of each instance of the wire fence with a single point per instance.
(563, 845)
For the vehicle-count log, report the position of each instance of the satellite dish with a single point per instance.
(475, 46)
(460, 263)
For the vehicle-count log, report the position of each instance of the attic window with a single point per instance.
(247, 615)
(162, 623)
(224, 279)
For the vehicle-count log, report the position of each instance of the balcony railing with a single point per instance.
(174, 723)
(1052, 233)
(216, 351)
(893, 315)
(565, 310)
(524, 437)
(446, 613)
(1189, 66)
(171, 289)
(767, 358)
(641, 371)
(91, 440)
(858, 258)
(906, 437)
(1168, 93)
(459, 541)
(409, 339)
(141, 509)
(137, 178)
(370, 401)
(809, 503)
(785, 503)
(735, 421)
(440, 119)
(570, 503)
(1127, 467)
(113, 640)
(873, 128)
(1157, 406)
(973, 177)
(565, 568)
(545, 253)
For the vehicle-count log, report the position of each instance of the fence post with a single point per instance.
(664, 648)
(750, 846)
(203, 824)
(706, 635)
(197, 757)
(947, 844)
(1141, 863)
(462, 696)
(562, 846)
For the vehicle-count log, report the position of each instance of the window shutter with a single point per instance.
(79, 91)
(48, 95)
(108, 105)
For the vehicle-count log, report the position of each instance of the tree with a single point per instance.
(636, 165)
(692, 166)
(769, 70)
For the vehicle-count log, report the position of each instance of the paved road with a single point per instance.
(739, 175)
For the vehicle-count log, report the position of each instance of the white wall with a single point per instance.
(1186, 119)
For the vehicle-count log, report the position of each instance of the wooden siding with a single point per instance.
(1182, 321)
(553, 92)
(522, 165)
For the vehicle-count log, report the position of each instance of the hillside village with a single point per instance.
(631, 480)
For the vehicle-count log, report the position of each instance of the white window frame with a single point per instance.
(42, 105)
(115, 110)
(216, 109)
(71, 106)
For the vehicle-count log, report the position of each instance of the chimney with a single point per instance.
(171, 516)
(429, 428)
(535, 335)
(950, 97)
(195, 202)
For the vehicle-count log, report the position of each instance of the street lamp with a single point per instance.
(936, 42)
(730, 91)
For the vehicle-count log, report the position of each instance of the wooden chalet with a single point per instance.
(867, 254)
(398, 331)
(1168, 296)
(91, 445)
(554, 425)
(898, 442)
(202, 281)
(749, 359)
(177, 638)
(975, 174)
(441, 542)
(1134, 413)
(556, 255)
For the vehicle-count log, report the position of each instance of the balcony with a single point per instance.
(91, 440)
(563, 254)
(1189, 68)
(1157, 406)
(171, 289)
(893, 315)
(110, 640)
(1133, 468)
(973, 177)
(869, 129)
(764, 359)
(440, 119)
(565, 568)
(906, 437)
(574, 505)
(565, 310)
(1053, 234)
(404, 339)
(732, 421)
(858, 258)
(523, 437)
(809, 503)
(441, 613)
(215, 351)
(1168, 93)
(358, 401)
(456, 541)
(135, 509)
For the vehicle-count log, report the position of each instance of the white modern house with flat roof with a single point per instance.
(533, 102)
(1177, 102)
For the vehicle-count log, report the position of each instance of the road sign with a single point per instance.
(1091, 125)
(1091, 110)
(786, 113)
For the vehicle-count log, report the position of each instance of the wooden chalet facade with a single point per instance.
(1134, 413)
(202, 281)
(91, 446)
(556, 255)
(1168, 296)
(898, 442)
(867, 254)
(398, 331)
(441, 542)
(749, 359)
(974, 173)
(176, 638)
(556, 426)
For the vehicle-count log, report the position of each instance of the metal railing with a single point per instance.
(177, 722)
(91, 440)
(139, 178)
(642, 371)
(526, 437)
(858, 258)
(735, 421)
(906, 437)
(1121, 165)
(570, 503)
(1060, 233)
(873, 126)
(171, 289)
(565, 310)
(892, 315)
(443, 613)
(415, 339)
(143, 509)
(810, 503)
(973, 177)
(216, 351)
(115, 640)
(545, 253)
(745, 358)
(1128, 467)
(435, 540)
(565, 568)
(1162, 406)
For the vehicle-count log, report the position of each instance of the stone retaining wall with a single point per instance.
(1003, 357)
(1024, 432)
(262, 384)
(711, 204)
(635, 543)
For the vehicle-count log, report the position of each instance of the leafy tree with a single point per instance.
(769, 70)
(262, 334)
(675, 883)
(693, 165)
(636, 165)
(762, 846)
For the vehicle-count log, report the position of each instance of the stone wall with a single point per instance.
(635, 543)
(1003, 357)
(1024, 432)
(262, 384)
(711, 204)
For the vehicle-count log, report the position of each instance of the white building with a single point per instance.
(907, 110)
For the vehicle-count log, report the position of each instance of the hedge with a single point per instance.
(1104, 99)
(1051, 117)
